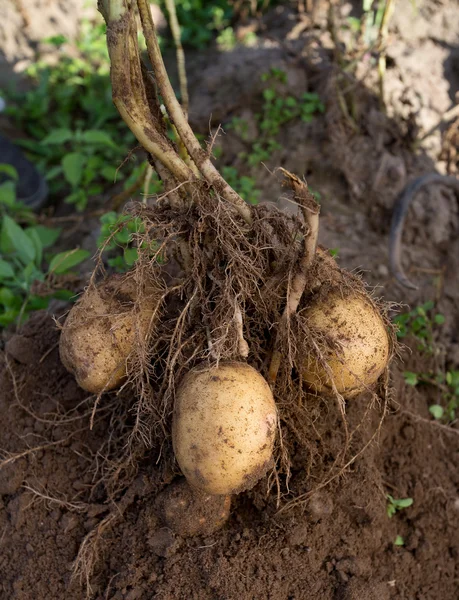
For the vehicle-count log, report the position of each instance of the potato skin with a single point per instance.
(99, 332)
(224, 427)
(355, 324)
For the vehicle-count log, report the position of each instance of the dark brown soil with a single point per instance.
(337, 544)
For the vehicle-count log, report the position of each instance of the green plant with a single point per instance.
(447, 383)
(226, 40)
(116, 237)
(245, 186)
(399, 541)
(30, 274)
(201, 21)
(420, 323)
(367, 28)
(394, 505)
(88, 161)
(118, 233)
(75, 137)
(276, 111)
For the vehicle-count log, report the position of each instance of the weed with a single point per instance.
(201, 21)
(226, 40)
(399, 541)
(245, 186)
(276, 111)
(447, 383)
(76, 140)
(419, 323)
(116, 236)
(394, 505)
(30, 274)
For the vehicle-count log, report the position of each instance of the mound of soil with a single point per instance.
(337, 544)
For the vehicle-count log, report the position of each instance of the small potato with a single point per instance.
(358, 329)
(99, 333)
(188, 511)
(224, 427)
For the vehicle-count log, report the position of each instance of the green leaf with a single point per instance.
(8, 193)
(399, 541)
(436, 411)
(8, 299)
(109, 173)
(404, 502)
(8, 317)
(439, 319)
(73, 164)
(64, 261)
(58, 136)
(35, 239)
(9, 170)
(95, 136)
(53, 172)
(19, 240)
(47, 235)
(411, 378)
(66, 295)
(130, 256)
(6, 270)
(56, 40)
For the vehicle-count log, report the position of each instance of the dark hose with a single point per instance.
(401, 207)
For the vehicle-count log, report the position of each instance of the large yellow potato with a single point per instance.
(100, 330)
(224, 427)
(357, 328)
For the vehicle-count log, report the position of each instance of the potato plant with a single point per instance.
(248, 323)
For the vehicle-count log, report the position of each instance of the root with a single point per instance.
(310, 210)
(88, 554)
(53, 499)
(303, 498)
(89, 551)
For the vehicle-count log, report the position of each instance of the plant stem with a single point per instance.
(176, 114)
(310, 210)
(128, 89)
(175, 28)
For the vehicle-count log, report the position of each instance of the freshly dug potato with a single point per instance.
(224, 427)
(99, 333)
(188, 511)
(358, 329)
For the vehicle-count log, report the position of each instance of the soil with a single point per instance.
(337, 544)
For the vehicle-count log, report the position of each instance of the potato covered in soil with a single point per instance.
(100, 330)
(354, 326)
(188, 511)
(224, 427)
